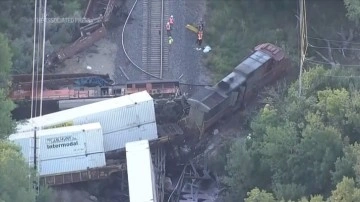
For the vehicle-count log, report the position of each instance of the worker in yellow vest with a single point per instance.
(171, 40)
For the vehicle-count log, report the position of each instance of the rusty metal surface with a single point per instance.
(80, 176)
(96, 8)
(97, 13)
(61, 94)
(81, 44)
(19, 78)
(109, 8)
(55, 91)
(274, 51)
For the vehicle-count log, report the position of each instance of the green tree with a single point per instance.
(6, 105)
(345, 191)
(345, 165)
(239, 168)
(14, 175)
(257, 195)
(353, 8)
(6, 123)
(298, 142)
(16, 178)
(5, 61)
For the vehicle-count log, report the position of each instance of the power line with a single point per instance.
(303, 40)
(349, 77)
(324, 39)
(43, 60)
(321, 62)
(33, 65)
(326, 47)
(37, 58)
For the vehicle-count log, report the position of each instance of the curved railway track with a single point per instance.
(154, 49)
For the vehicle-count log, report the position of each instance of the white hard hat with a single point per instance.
(171, 16)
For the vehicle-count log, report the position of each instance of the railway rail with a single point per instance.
(154, 51)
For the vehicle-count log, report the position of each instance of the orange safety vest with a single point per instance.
(171, 20)
(168, 26)
(200, 35)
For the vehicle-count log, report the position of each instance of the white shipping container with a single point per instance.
(113, 114)
(141, 176)
(71, 164)
(68, 104)
(117, 140)
(61, 142)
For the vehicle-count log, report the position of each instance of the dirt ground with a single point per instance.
(98, 59)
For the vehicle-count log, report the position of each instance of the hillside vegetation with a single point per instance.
(300, 148)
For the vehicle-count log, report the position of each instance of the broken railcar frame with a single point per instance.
(97, 13)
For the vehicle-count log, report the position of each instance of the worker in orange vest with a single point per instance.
(171, 21)
(168, 28)
(199, 39)
(201, 26)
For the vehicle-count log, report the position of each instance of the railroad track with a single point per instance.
(154, 52)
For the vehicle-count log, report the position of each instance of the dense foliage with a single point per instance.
(232, 31)
(15, 175)
(17, 22)
(16, 178)
(353, 7)
(6, 105)
(300, 146)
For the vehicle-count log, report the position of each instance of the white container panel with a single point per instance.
(117, 140)
(62, 145)
(71, 164)
(113, 120)
(146, 112)
(68, 104)
(62, 142)
(94, 141)
(140, 172)
(117, 116)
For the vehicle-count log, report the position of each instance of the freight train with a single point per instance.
(262, 67)
(88, 86)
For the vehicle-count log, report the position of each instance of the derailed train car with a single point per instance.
(263, 66)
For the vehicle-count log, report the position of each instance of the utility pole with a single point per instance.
(35, 152)
(36, 182)
(303, 39)
(301, 44)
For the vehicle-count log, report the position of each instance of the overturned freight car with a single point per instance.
(62, 150)
(123, 119)
(264, 65)
(97, 13)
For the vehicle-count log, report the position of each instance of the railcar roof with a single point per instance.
(252, 63)
(85, 110)
(206, 99)
(231, 82)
